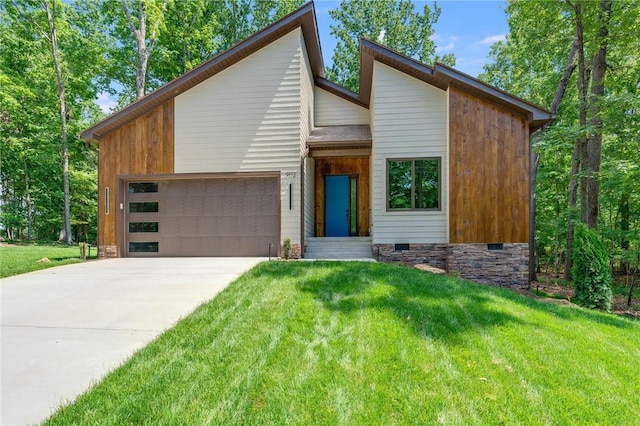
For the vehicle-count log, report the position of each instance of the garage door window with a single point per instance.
(146, 247)
(143, 207)
(143, 226)
(143, 187)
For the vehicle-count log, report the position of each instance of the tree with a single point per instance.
(49, 61)
(196, 30)
(392, 23)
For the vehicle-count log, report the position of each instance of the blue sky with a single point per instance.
(467, 28)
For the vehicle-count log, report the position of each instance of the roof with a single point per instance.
(440, 75)
(349, 134)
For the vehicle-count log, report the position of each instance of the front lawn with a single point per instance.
(19, 259)
(367, 343)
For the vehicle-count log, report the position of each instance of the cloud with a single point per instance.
(446, 48)
(492, 39)
(105, 102)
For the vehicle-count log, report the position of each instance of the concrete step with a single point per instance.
(338, 248)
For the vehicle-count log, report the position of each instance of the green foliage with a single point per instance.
(286, 247)
(590, 272)
(392, 23)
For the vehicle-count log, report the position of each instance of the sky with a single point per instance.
(466, 28)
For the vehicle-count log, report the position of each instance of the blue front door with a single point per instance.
(336, 216)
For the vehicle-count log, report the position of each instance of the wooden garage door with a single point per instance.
(202, 217)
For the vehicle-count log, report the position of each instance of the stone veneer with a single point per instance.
(432, 254)
(105, 252)
(508, 266)
(295, 253)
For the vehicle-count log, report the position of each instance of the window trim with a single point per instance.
(413, 166)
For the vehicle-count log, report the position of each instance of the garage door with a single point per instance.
(202, 217)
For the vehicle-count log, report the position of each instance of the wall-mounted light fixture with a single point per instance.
(106, 200)
(290, 196)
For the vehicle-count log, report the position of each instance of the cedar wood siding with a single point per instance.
(409, 120)
(248, 118)
(489, 190)
(343, 166)
(332, 110)
(143, 146)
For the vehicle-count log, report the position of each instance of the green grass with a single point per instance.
(367, 343)
(19, 259)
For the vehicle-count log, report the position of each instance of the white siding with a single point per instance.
(306, 125)
(332, 110)
(247, 118)
(409, 120)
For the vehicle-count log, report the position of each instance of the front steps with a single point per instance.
(338, 248)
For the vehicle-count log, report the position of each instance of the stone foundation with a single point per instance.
(295, 253)
(431, 254)
(505, 266)
(105, 252)
(508, 266)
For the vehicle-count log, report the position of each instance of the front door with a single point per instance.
(340, 206)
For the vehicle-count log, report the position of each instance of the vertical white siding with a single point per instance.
(409, 120)
(332, 110)
(247, 118)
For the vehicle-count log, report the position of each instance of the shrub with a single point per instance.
(590, 271)
(286, 247)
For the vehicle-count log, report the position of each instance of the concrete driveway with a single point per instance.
(64, 328)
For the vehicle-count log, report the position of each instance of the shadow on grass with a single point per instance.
(432, 306)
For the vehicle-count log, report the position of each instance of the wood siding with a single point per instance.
(343, 166)
(332, 110)
(489, 191)
(409, 120)
(309, 195)
(144, 146)
(248, 118)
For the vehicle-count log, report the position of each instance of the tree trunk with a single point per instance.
(591, 152)
(535, 157)
(143, 48)
(578, 144)
(53, 38)
(28, 200)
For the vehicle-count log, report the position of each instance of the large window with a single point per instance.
(413, 184)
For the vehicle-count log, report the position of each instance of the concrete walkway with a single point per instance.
(64, 328)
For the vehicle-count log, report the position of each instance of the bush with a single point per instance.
(286, 245)
(590, 271)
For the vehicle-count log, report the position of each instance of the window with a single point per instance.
(143, 187)
(413, 184)
(150, 247)
(143, 226)
(143, 207)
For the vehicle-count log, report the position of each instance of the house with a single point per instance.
(424, 164)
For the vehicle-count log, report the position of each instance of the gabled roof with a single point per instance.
(440, 75)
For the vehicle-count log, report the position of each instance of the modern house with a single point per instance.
(422, 165)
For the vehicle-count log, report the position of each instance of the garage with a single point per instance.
(208, 216)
